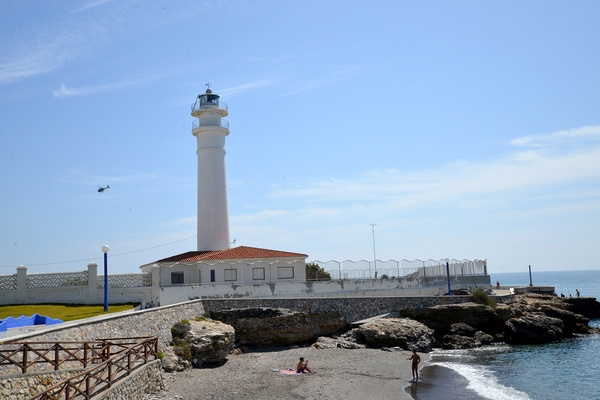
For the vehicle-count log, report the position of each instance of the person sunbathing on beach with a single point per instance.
(302, 366)
(416, 359)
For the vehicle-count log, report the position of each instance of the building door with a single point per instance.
(212, 275)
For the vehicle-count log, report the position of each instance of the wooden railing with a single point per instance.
(97, 379)
(25, 355)
(115, 359)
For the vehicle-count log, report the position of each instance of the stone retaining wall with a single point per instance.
(145, 380)
(23, 386)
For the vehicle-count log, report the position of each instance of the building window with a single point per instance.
(230, 275)
(285, 272)
(176, 278)
(258, 274)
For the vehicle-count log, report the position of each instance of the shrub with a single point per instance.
(160, 355)
(481, 297)
(314, 272)
(183, 351)
(179, 330)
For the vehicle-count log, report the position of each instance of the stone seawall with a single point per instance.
(158, 321)
(352, 308)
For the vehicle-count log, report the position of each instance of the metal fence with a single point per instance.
(376, 269)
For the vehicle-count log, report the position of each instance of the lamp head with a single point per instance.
(105, 248)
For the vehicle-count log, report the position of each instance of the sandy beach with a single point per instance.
(339, 374)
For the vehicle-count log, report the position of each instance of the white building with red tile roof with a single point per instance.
(238, 265)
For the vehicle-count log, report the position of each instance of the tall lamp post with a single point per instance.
(448, 274)
(374, 256)
(105, 249)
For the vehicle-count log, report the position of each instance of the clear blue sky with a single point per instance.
(463, 129)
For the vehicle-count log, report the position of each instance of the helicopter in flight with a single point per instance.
(102, 189)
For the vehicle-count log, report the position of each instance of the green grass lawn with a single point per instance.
(65, 312)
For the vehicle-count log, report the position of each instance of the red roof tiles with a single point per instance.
(236, 253)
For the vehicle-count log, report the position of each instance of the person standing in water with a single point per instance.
(416, 359)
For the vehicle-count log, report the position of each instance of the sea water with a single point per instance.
(566, 370)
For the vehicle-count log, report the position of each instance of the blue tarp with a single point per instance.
(22, 321)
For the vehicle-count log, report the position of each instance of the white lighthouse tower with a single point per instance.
(211, 130)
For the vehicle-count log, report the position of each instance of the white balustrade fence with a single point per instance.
(35, 281)
(126, 281)
(81, 287)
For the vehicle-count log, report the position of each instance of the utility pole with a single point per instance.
(374, 256)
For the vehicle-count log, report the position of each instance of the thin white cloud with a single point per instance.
(248, 86)
(577, 135)
(531, 169)
(45, 48)
(82, 91)
(91, 4)
(39, 58)
(519, 172)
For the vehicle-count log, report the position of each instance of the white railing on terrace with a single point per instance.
(376, 269)
(220, 106)
(197, 123)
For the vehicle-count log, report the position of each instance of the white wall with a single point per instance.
(349, 288)
(199, 273)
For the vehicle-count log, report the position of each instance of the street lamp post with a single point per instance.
(448, 273)
(374, 256)
(105, 249)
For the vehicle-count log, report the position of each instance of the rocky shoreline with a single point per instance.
(231, 345)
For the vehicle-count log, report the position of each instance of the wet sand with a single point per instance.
(441, 383)
(339, 374)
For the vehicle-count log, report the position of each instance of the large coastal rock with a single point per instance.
(401, 332)
(588, 307)
(533, 328)
(199, 343)
(263, 327)
(531, 318)
(573, 323)
(477, 316)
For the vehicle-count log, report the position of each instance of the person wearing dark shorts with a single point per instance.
(302, 366)
(416, 359)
